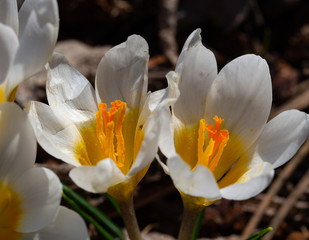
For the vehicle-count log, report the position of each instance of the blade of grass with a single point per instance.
(114, 203)
(260, 234)
(88, 218)
(198, 225)
(95, 212)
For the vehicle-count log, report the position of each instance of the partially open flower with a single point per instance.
(110, 132)
(30, 197)
(27, 40)
(222, 146)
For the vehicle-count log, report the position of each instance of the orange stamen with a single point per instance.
(111, 134)
(216, 144)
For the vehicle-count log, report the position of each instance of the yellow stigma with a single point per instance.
(10, 213)
(109, 131)
(209, 155)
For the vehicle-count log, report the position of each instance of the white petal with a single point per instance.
(197, 183)
(8, 48)
(38, 32)
(241, 95)
(282, 137)
(149, 145)
(168, 96)
(57, 138)
(166, 139)
(17, 141)
(160, 101)
(67, 225)
(40, 192)
(252, 182)
(8, 14)
(97, 179)
(122, 73)
(86, 178)
(69, 93)
(197, 69)
(155, 116)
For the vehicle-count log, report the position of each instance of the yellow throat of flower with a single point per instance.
(113, 133)
(203, 145)
(109, 131)
(10, 97)
(10, 213)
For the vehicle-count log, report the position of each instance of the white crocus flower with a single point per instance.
(27, 40)
(109, 132)
(220, 144)
(30, 197)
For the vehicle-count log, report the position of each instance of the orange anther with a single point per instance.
(216, 144)
(111, 137)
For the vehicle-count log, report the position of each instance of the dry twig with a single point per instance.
(300, 102)
(167, 29)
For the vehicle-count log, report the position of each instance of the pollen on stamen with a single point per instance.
(209, 155)
(109, 130)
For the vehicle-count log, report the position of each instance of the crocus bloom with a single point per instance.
(110, 131)
(220, 144)
(27, 40)
(30, 197)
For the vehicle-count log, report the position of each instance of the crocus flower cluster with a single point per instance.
(211, 126)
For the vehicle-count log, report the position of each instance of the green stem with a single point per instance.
(191, 213)
(129, 218)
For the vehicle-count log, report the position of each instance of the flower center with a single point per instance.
(209, 155)
(10, 213)
(109, 131)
